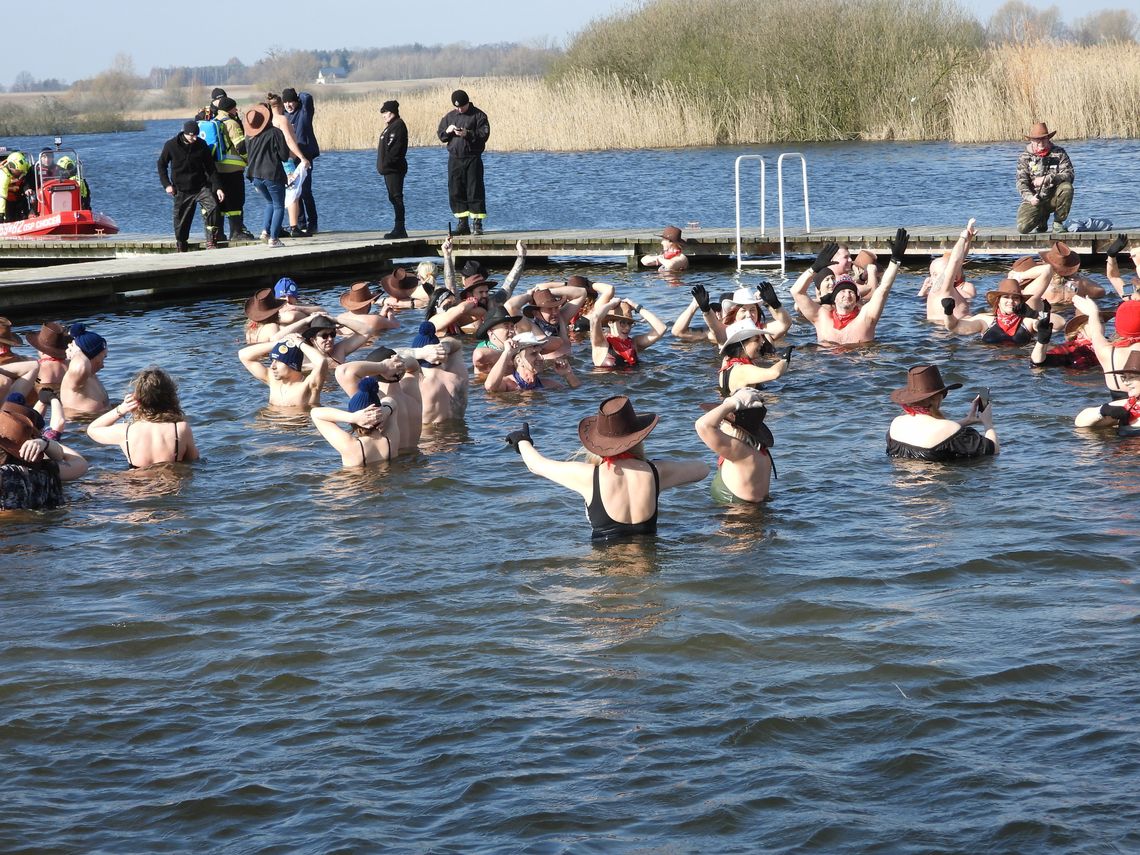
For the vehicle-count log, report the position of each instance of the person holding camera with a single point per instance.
(1044, 181)
(924, 433)
(465, 131)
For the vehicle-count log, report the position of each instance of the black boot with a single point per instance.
(238, 231)
(464, 228)
(397, 232)
(477, 225)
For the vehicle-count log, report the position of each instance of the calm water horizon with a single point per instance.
(265, 652)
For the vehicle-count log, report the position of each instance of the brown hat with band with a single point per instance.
(1130, 366)
(623, 312)
(1005, 288)
(263, 306)
(358, 296)
(1026, 262)
(542, 298)
(394, 281)
(672, 234)
(52, 340)
(922, 382)
(257, 119)
(7, 336)
(616, 427)
(864, 258)
(1040, 131)
(15, 430)
(1077, 322)
(1063, 260)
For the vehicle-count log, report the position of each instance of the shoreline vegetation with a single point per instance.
(685, 73)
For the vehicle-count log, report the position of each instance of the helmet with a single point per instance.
(18, 161)
(66, 163)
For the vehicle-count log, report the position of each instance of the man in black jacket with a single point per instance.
(186, 170)
(392, 163)
(465, 131)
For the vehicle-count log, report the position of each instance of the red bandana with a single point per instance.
(1133, 407)
(623, 348)
(625, 455)
(670, 253)
(916, 411)
(1126, 341)
(840, 321)
(736, 360)
(1009, 323)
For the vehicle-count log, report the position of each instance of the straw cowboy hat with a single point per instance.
(1077, 322)
(257, 119)
(739, 331)
(751, 421)
(542, 298)
(7, 336)
(1005, 288)
(922, 382)
(357, 297)
(263, 306)
(672, 234)
(52, 340)
(745, 297)
(529, 339)
(15, 430)
(1040, 131)
(616, 427)
(1063, 260)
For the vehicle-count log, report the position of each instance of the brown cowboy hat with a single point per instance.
(750, 421)
(15, 430)
(922, 382)
(673, 234)
(7, 336)
(1026, 262)
(20, 410)
(1040, 131)
(864, 258)
(624, 312)
(1130, 366)
(1005, 288)
(52, 339)
(616, 427)
(474, 281)
(257, 119)
(1063, 260)
(1077, 322)
(395, 280)
(262, 306)
(542, 298)
(358, 296)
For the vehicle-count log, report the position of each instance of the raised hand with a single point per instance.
(823, 259)
(701, 295)
(898, 245)
(786, 353)
(1117, 246)
(948, 304)
(517, 436)
(1044, 331)
(768, 294)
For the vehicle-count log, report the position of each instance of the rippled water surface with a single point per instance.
(267, 653)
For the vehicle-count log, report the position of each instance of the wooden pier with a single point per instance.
(43, 273)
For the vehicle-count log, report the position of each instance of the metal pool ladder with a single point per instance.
(740, 262)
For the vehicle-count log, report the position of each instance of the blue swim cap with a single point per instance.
(367, 395)
(92, 344)
(291, 356)
(285, 287)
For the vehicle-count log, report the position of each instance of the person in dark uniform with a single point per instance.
(186, 170)
(392, 163)
(465, 131)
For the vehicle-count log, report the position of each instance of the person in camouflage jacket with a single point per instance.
(1045, 182)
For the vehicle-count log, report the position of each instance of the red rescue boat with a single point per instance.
(57, 203)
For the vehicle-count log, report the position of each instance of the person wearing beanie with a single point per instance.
(1112, 354)
(289, 386)
(465, 130)
(231, 164)
(375, 433)
(392, 163)
(81, 392)
(443, 376)
(188, 174)
(398, 376)
(299, 110)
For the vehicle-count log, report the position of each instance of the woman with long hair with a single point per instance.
(158, 431)
(375, 433)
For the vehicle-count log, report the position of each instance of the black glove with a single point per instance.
(517, 436)
(1115, 411)
(948, 304)
(1116, 246)
(1022, 310)
(1044, 332)
(824, 258)
(768, 294)
(827, 299)
(1046, 310)
(701, 295)
(898, 245)
(786, 353)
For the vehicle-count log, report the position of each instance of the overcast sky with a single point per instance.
(89, 35)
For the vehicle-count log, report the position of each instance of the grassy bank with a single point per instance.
(51, 116)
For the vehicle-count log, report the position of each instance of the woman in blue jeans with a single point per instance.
(266, 148)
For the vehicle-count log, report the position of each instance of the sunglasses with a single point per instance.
(326, 335)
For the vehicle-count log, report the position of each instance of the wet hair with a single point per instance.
(157, 396)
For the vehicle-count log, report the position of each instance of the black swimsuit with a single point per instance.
(606, 527)
(996, 335)
(966, 443)
(127, 445)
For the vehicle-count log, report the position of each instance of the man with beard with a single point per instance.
(838, 318)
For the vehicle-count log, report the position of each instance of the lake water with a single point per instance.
(267, 653)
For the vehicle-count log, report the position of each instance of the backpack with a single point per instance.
(211, 133)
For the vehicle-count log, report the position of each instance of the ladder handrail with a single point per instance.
(782, 263)
(780, 191)
(763, 169)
